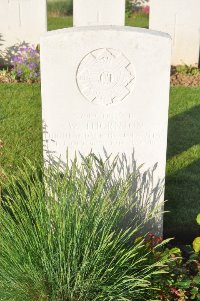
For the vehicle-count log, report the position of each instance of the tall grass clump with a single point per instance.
(61, 239)
(60, 8)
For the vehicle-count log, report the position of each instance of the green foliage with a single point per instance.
(196, 244)
(129, 8)
(198, 219)
(60, 8)
(60, 237)
(182, 280)
(136, 15)
(196, 241)
(189, 70)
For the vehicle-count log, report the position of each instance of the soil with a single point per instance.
(6, 78)
(177, 79)
(183, 79)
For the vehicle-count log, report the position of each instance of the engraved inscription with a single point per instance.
(105, 76)
(112, 129)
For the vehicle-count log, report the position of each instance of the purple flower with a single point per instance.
(19, 72)
(26, 63)
(32, 65)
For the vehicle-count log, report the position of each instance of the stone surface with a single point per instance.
(106, 90)
(104, 76)
(99, 12)
(21, 23)
(180, 19)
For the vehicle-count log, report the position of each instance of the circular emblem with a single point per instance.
(105, 76)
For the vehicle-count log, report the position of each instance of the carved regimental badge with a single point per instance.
(105, 76)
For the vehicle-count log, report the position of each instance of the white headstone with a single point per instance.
(99, 12)
(180, 19)
(106, 88)
(21, 22)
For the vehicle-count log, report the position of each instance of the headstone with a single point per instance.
(99, 12)
(21, 23)
(180, 19)
(105, 89)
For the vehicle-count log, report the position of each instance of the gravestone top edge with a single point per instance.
(106, 28)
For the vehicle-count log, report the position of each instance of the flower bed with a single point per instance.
(24, 66)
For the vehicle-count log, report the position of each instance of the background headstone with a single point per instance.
(106, 89)
(180, 19)
(21, 23)
(99, 12)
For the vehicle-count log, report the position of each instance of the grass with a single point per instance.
(67, 244)
(58, 22)
(20, 128)
(20, 125)
(183, 163)
(138, 20)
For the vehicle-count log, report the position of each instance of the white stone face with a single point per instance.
(107, 89)
(21, 22)
(180, 19)
(99, 12)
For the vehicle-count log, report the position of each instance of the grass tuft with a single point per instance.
(60, 237)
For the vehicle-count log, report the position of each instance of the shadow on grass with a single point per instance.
(183, 195)
(183, 176)
(183, 132)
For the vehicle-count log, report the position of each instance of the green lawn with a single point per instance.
(183, 163)
(21, 133)
(20, 125)
(59, 22)
(137, 20)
